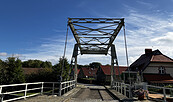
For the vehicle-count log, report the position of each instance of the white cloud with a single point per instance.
(166, 39)
(3, 54)
(148, 31)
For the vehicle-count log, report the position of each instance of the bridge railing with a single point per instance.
(123, 88)
(14, 92)
(162, 91)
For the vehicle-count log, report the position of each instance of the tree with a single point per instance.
(46, 64)
(14, 71)
(3, 75)
(37, 64)
(95, 64)
(62, 68)
(44, 75)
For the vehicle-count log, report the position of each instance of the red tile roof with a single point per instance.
(89, 71)
(107, 69)
(78, 70)
(158, 78)
(160, 58)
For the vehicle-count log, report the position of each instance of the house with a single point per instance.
(104, 73)
(154, 67)
(87, 73)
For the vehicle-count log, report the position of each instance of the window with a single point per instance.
(162, 70)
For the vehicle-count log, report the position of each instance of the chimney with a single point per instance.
(148, 51)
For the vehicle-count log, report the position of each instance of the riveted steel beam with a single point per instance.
(93, 32)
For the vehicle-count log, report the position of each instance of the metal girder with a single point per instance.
(95, 35)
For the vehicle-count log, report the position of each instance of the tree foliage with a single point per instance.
(62, 69)
(45, 75)
(37, 64)
(95, 64)
(11, 71)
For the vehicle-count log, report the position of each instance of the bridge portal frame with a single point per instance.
(98, 42)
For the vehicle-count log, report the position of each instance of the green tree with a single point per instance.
(46, 64)
(37, 64)
(44, 75)
(14, 71)
(95, 64)
(3, 75)
(62, 68)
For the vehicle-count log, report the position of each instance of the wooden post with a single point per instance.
(42, 88)
(147, 92)
(64, 87)
(121, 88)
(130, 95)
(26, 88)
(124, 89)
(60, 89)
(1, 95)
(164, 93)
(53, 88)
(118, 86)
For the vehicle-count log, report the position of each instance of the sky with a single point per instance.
(36, 29)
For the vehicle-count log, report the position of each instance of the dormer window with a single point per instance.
(162, 70)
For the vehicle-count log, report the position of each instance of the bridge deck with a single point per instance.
(82, 93)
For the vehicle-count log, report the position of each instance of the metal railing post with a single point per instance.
(164, 93)
(60, 86)
(26, 88)
(42, 88)
(53, 88)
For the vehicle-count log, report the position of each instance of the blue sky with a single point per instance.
(35, 29)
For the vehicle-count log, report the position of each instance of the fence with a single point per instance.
(123, 88)
(22, 91)
(163, 91)
(126, 90)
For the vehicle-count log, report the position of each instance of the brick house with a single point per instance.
(87, 73)
(154, 67)
(104, 73)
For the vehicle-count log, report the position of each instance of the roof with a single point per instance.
(78, 70)
(89, 71)
(107, 69)
(160, 58)
(144, 60)
(32, 70)
(158, 78)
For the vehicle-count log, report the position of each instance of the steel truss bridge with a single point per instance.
(95, 36)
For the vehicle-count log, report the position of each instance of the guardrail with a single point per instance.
(126, 90)
(163, 93)
(123, 88)
(22, 91)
